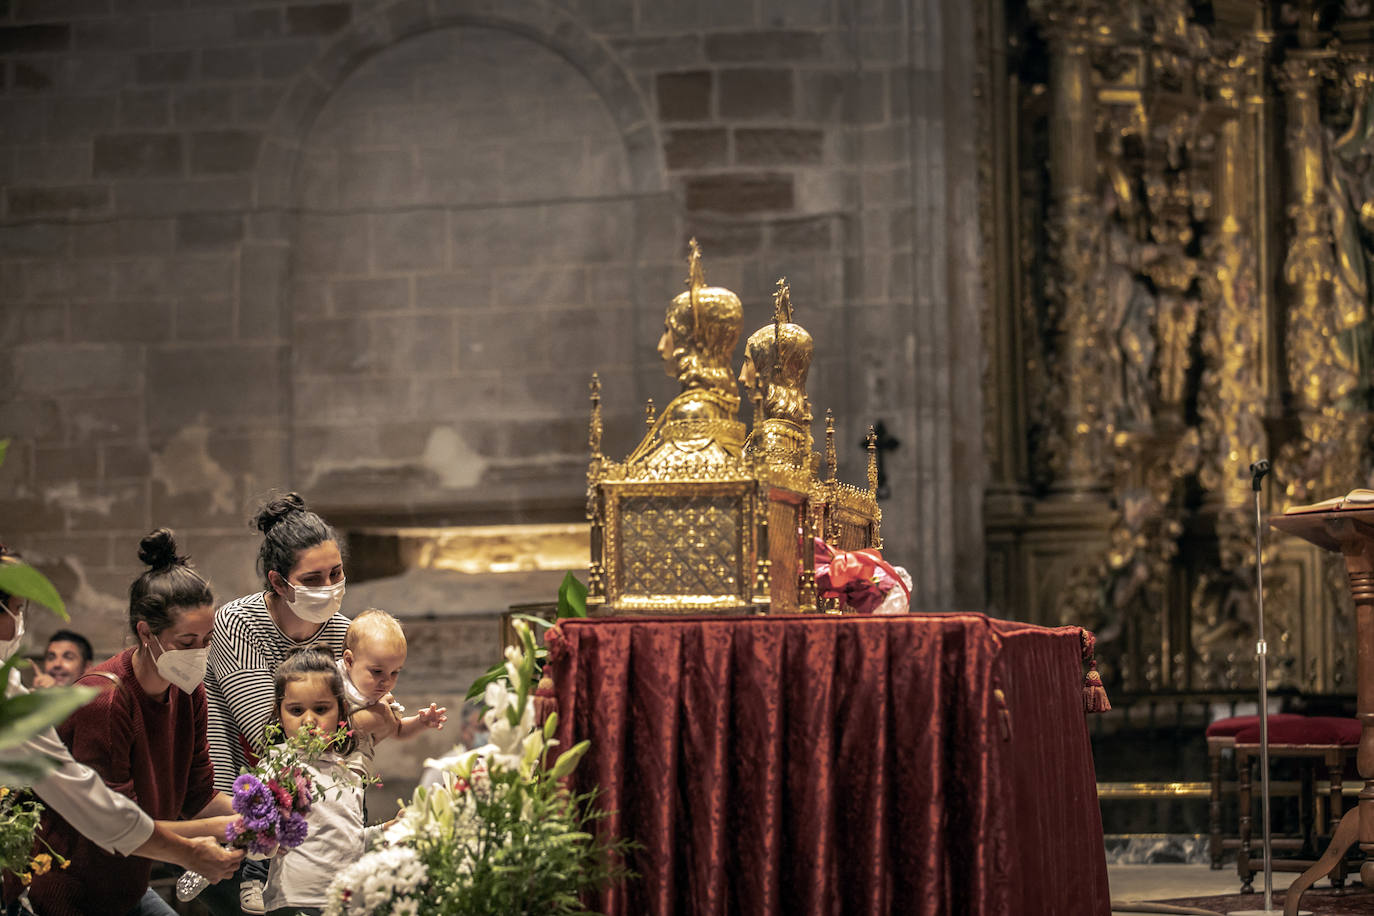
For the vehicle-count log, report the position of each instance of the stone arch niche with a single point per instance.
(470, 201)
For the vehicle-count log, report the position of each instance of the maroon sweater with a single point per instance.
(152, 749)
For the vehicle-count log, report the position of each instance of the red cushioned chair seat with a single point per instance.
(1227, 728)
(1305, 730)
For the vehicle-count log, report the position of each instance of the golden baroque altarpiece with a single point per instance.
(702, 517)
(1179, 214)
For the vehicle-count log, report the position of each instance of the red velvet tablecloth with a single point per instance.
(926, 764)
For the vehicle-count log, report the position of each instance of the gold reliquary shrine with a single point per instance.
(706, 515)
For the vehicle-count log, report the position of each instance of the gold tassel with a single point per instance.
(1094, 694)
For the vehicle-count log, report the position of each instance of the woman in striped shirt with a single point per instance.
(302, 568)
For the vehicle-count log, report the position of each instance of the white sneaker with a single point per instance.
(250, 897)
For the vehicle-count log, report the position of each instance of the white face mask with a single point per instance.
(183, 667)
(316, 605)
(9, 646)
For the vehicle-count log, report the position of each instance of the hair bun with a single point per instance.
(278, 509)
(158, 550)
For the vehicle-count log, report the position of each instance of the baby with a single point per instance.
(374, 654)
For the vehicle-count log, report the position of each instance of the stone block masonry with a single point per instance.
(373, 251)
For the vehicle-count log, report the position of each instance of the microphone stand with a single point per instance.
(1257, 472)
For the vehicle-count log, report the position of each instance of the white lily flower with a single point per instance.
(496, 697)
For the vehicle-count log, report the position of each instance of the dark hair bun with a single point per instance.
(278, 509)
(159, 549)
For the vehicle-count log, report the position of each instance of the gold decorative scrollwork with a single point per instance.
(1175, 331)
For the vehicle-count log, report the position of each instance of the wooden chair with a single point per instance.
(1221, 743)
(1328, 741)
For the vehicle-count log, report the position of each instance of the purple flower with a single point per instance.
(251, 797)
(233, 832)
(293, 831)
(263, 844)
(267, 823)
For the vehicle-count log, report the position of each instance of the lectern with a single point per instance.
(1350, 532)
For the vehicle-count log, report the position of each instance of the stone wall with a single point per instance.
(374, 250)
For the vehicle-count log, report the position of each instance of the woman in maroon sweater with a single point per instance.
(145, 734)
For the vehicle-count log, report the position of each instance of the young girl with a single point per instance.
(310, 694)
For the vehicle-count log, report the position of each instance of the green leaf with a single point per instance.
(479, 686)
(23, 716)
(23, 580)
(572, 597)
(551, 725)
(4, 447)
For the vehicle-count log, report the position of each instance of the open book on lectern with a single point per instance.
(1358, 498)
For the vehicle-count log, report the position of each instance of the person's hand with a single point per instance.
(212, 860)
(434, 716)
(217, 827)
(42, 681)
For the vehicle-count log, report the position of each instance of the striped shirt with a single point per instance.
(245, 650)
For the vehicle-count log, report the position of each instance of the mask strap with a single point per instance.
(152, 637)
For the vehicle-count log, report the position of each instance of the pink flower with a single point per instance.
(303, 796)
(282, 796)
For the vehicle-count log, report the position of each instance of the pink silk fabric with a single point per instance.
(932, 764)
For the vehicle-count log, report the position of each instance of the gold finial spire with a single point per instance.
(831, 463)
(649, 413)
(810, 441)
(782, 303)
(782, 314)
(594, 432)
(872, 440)
(758, 411)
(696, 279)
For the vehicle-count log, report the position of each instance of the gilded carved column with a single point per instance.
(1321, 371)
(1309, 261)
(1078, 434)
(1231, 396)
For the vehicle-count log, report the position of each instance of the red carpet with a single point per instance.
(1352, 901)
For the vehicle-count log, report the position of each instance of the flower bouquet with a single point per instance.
(271, 799)
(501, 833)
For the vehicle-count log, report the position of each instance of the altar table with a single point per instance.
(931, 764)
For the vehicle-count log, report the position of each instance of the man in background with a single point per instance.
(65, 661)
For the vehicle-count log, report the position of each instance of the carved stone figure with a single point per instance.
(1130, 313)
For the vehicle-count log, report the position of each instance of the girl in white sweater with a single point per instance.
(310, 694)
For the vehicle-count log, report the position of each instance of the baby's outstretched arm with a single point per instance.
(433, 716)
